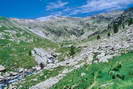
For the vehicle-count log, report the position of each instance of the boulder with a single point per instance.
(7, 74)
(1, 78)
(11, 86)
(83, 74)
(37, 68)
(42, 56)
(90, 58)
(20, 70)
(13, 73)
(2, 68)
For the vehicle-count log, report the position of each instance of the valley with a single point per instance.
(67, 53)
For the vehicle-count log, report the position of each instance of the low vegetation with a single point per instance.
(18, 54)
(14, 55)
(117, 74)
(3, 18)
(15, 50)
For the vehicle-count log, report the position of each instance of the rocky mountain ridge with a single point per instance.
(67, 28)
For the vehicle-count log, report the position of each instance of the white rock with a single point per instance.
(6, 74)
(1, 78)
(83, 74)
(13, 73)
(38, 68)
(42, 56)
(21, 70)
(2, 68)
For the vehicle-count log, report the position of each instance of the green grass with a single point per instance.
(3, 18)
(97, 76)
(14, 55)
(37, 78)
(3, 28)
(65, 52)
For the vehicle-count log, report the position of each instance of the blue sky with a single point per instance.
(75, 8)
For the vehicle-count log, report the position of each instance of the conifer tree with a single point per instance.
(72, 51)
(109, 34)
(130, 21)
(115, 28)
(98, 37)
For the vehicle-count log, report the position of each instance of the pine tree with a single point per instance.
(72, 51)
(98, 37)
(42, 65)
(109, 34)
(115, 27)
(130, 21)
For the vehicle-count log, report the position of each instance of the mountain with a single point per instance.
(47, 48)
(51, 17)
(59, 28)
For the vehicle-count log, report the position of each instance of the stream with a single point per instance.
(12, 79)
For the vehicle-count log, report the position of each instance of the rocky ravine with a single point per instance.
(105, 50)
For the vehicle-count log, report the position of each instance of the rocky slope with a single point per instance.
(105, 50)
(29, 45)
(20, 36)
(67, 28)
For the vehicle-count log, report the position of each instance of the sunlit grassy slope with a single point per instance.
(117, 74)
(14, 55)
(16, 45)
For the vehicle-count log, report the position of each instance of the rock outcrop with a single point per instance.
(43, 57)
(2, 68)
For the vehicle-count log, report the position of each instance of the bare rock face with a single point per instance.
(42, 56)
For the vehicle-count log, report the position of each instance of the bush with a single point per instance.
(109, 34)
(72, 51)
(115, 27)
(130, 21)
(42, 65)
(98, 37)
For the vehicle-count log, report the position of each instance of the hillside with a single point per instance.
(49, 52)
(67, 28)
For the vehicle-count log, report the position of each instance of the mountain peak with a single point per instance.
(47, 18)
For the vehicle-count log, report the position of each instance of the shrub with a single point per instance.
(98, 37)
(115, 28)
(109, 34)
(42, 65)
(130, 21)
(72, 51)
